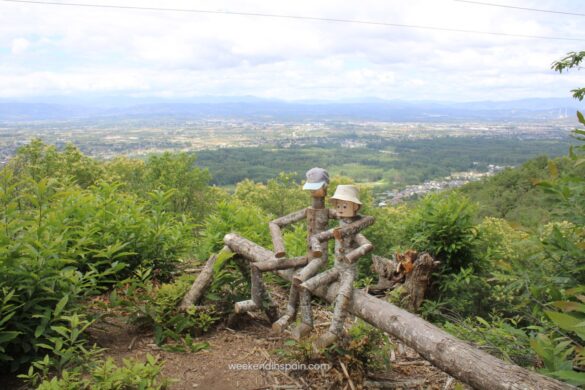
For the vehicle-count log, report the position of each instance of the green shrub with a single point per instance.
(107, 375)
(60, 243)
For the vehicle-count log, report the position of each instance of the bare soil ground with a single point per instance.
(248, 340)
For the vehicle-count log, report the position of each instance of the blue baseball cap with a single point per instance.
(316, 178)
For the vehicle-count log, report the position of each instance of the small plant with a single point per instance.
(155, 306)
(107, 375)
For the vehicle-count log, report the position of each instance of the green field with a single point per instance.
(388, 163)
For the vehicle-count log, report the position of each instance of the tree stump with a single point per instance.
(408, 270)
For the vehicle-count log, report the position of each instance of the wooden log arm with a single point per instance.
(457, 358)
(278, 264)
(276, 232)
(365, 247)
(339, 233)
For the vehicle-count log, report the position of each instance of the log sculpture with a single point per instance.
(317, 217)
(457, 358)
(350, 245)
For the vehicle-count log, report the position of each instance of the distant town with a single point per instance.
(415, 191)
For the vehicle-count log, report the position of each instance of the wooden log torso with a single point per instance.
(317, 222)
(345, 245)
(317, 219)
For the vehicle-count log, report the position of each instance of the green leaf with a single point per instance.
(569, 306)
(580, 117)
(196, 347)
(63, 331)
(573, 377)
(567, 322)
(60, 305)
(150, 359)
(8, 336)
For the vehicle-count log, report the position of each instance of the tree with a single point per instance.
(572, 60)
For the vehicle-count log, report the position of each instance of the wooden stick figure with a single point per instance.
(305, 267)
(350, 245)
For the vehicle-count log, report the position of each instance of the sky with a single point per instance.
(53, 50)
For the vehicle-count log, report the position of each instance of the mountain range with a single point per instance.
(253, 108)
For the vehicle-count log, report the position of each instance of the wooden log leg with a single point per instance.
(312, 268)
(260, 298)
(278, 264)
(245, 306)
(342, 302)
(291, 311)
(306, 325)
(323, 279)
(198, 288)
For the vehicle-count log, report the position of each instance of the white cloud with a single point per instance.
(19, 45)
(78, 49)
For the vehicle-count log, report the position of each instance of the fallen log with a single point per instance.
(457, 358)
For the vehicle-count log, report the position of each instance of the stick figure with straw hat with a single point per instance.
(350, 245)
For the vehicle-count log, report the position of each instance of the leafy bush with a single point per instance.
(442, 224)
(279, 196)
(155, 307)
(232, 216)
(107, 375)
(500, 337)
(60, 243)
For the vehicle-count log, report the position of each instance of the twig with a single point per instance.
(297, 384)
(264, 353)
(192, 270)
(346, 375)
(413, 363)
(132, 343)
(407, 384)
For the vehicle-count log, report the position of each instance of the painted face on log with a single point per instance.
(346, 209)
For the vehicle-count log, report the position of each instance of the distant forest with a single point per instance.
(392, 163)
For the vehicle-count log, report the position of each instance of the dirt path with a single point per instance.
(251, 343)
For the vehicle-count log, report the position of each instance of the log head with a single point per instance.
(320, 193)
(345, 208)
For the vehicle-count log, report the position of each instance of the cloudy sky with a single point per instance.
(49, 50)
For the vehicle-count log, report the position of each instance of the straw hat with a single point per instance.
(346, 192)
